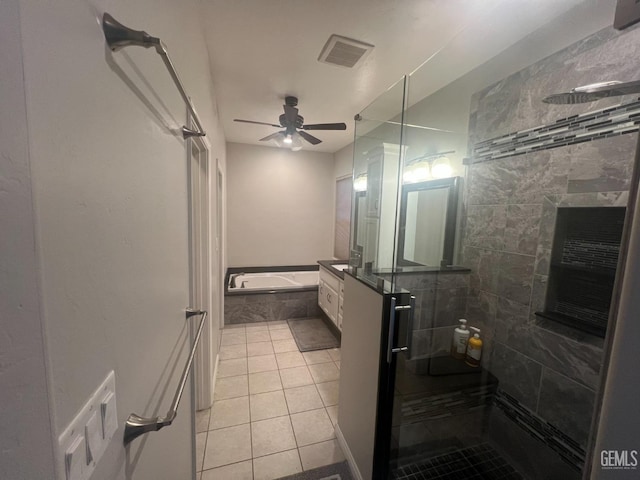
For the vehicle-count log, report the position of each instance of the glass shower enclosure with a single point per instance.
(475, 200)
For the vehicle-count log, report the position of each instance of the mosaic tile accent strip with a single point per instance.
(538, 428)
(607, 122)
(419, 408)
(481, 462)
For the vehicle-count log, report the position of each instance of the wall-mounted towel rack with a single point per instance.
(118, 36)
(137, 425)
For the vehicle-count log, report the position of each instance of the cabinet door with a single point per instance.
(331, 300)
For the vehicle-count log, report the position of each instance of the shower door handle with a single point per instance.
(392, 326)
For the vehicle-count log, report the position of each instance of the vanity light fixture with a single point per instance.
(425, 167)
(360, 183)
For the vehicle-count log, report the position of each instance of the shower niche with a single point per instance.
(583, 264)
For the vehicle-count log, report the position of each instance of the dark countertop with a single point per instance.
(328, 264)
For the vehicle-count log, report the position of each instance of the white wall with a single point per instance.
(280, 206)
(108, 175)
(343, 161)
(25, 429)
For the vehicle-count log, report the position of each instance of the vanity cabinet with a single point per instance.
(330, 296)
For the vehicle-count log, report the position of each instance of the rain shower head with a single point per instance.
(118, 36)
(593, 92)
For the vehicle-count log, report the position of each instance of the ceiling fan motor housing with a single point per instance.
(298, 123)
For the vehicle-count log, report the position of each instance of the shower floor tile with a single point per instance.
(481, 462)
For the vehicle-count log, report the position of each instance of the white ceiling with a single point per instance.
(263, 50)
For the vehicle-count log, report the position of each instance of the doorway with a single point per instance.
(201, 266)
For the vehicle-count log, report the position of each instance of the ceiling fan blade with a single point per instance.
(272, 136)
(325, 126)
(291, 114)
(257, 123)
(309, 138)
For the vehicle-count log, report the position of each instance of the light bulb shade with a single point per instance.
(279, 140)
(292, 141)
(416, 172)
(296, 142)
(441, 168)
(360, 183)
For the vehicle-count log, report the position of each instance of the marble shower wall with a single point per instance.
(509, 219)
(441, 299)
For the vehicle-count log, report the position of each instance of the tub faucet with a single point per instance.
(232, 281)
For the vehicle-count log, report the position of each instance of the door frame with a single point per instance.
(199, 174)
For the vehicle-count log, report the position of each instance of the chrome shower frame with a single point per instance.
(119, 36)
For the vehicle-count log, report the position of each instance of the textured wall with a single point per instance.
(109, 177)
(26, 438)
(509, 210)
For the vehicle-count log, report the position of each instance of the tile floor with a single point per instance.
(274, 408)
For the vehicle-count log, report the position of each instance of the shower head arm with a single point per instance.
(118, 36)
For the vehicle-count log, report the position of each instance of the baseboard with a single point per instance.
(348, 455)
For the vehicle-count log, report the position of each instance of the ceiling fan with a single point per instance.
(294, 127)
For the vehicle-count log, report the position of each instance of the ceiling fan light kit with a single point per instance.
(294, 127)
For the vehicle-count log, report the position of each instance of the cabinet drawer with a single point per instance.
(329, 279)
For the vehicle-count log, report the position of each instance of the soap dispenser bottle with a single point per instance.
(459, 341)
(474, 349)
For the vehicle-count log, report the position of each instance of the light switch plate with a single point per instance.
(74, 459)
(109, 415)
(87, 428)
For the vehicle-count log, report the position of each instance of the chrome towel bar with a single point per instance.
(118, 36)
(137, 425)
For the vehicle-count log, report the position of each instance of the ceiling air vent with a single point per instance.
(344, 51)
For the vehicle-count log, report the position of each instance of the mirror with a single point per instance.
(428, 213)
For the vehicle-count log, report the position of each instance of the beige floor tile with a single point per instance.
(317, 356)
(231, 387)
(201, 443)
(324, 372)
(278, 324)
(334, 353)
(227, 445)
(256, 327)
(262, 363)
(227, 413)
(280, 346)
(199, 476)
(234, 338)
(301, 399)
(338, 364)
(312, 427)
(277, 465)
(290, 360)
(264, 382)
(235, 471)
(295, 377)
(232, 367)
(227, 352)
(272, 436)
(281, 334)
(202, 420)
(321, 454)
(333, 414)
(329, 392)
(259, 348)
(233, 328)
(258, 336)
(267, 405)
